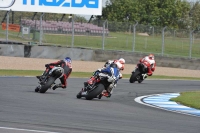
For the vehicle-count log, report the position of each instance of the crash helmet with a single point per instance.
(121, 60)
(151, 56)
(68, 59)
(119, 65)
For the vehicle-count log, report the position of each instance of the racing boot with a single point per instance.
(106, 94)
(55, 86)
(144, 76)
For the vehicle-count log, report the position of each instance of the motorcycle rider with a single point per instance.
(112, 72)
(150, 63)
(120, 60)
(66, 64)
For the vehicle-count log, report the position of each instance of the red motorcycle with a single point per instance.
(94, 87)
(139, 72)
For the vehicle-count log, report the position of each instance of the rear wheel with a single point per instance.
(140, 81)
(47, 85)
(94, 93)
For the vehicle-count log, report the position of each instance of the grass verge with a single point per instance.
(190, 99)
(82, 74)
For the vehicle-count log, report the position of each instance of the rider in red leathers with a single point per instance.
(66, 64)
(150, 62)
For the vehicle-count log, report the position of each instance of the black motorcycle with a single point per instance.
(93, 88)
(137, 74)
(47, 81)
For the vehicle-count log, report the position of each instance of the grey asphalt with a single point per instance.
(60, 110)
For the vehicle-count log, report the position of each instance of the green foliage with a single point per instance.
(191, 99)
(194, 16)
(171, 13)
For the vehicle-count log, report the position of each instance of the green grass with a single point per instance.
(190, 99)
(120, 41)
(82, 74)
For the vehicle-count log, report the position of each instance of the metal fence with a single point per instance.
(106, 35)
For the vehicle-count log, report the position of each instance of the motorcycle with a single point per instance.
(137, 74)
(94, 87)
(48, 81)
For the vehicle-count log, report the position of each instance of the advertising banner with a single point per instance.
(85, 7)
(11, 27)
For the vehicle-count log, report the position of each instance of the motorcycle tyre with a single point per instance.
(140, 81)
(94, 93)
(47, 85)
(37, 89)
(79, 95)
(133, 76)
(131, 79)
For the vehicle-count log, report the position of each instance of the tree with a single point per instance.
(148, 12)
(194, 16)
(120, 10)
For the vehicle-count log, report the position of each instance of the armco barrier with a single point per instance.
(52, 52)
(55, 52)
(12, 50)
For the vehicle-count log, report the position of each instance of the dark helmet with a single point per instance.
(68, 59)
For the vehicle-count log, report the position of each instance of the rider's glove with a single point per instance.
(47, 65)
(97, 72)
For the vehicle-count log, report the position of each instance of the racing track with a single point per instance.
(60, 111)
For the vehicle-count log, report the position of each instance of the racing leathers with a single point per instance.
(112, 73)
(67, 66)
(150, 63)
(116, 62)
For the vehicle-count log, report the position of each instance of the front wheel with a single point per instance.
(47, 85)
(79, 95)
(37, 89)
(95, 92)
(131, 80)
(135, 76)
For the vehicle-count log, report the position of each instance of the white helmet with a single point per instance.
(121, 60)
(120, 66)
(151, 56)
